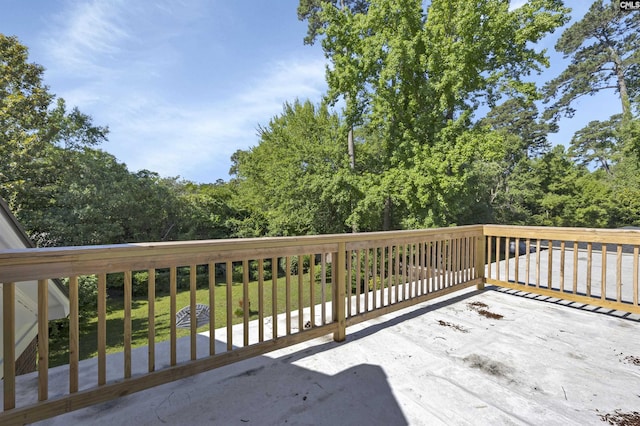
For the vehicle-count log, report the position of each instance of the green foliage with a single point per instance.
(504, 168)
(295, 264)
(293, 182)
(327, 273)
(597, 143)
(64, 191)
(211, 211)
(412, 80)
(625, 193)
(87, 293)
(604, 51)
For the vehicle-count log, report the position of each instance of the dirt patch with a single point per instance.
(480, 308)
(618, 418)
(454, 326)
(487, 365)
(632, 360)
(629, 359)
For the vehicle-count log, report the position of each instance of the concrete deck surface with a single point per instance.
(474, 358)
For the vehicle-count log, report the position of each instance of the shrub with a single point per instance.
(87, 293)
(140, 283)
(318, 272)
(295, 261)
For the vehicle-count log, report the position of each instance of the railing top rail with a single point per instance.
(593, 235)
(40, 263)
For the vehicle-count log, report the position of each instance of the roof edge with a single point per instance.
(27, 241)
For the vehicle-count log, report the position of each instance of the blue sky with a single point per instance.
(182, 84)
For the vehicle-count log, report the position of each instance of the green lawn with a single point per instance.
(58, 354)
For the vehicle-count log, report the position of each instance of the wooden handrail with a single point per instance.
(403, 267)
(371, 274)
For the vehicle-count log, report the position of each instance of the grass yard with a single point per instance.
(59, 346)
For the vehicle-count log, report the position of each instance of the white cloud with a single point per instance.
(197, 142)
(86, 32)
(127, 65)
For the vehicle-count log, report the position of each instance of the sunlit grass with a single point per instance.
(140, 321)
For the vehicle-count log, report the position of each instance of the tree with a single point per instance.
(62, 189)
(520, 136)
(557, 177)
(310, 11)
(33, 124)
(413, 79)
(24, 103)
(604, 51)
(520, 118)
(212, 211)
(597, 143)
(296, 180)
(625, 194)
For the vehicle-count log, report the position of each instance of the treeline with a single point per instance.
(442, 125)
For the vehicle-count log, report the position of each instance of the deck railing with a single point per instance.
(282, 291)
(598, 267)
(269, 293)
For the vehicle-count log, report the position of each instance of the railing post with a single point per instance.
(481, 259)
(9, 344)
(339, 271)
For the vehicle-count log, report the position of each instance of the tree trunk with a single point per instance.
(386, 221)
(622, 85)
(352, 150)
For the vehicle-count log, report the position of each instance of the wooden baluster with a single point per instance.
(366, 280)
(528, 261)
(575, 267)
(550, 266)
(102, 329)
(562, 264)
(323, 284)
(635, 275)
(127, 324)
(300, 294)
(173, 284)
(9, 344)
(358, 279)
(74, 332)
(389, 273)
(489, 256)
(538, 255)
(261, 300)
(396, 277)
(517, 261)
(193, 275)
(589, 266)
(507, 248)
(151, 318)
(374, 277)
(229, 270)
(603, 283)
(43, 340)
(619, 274)
(338, 284)
(212, 308)
(246, 303)
(288, 293)
(312, 289)
(498, 255)
(350, 278)
(450, 261)
(274, 297)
